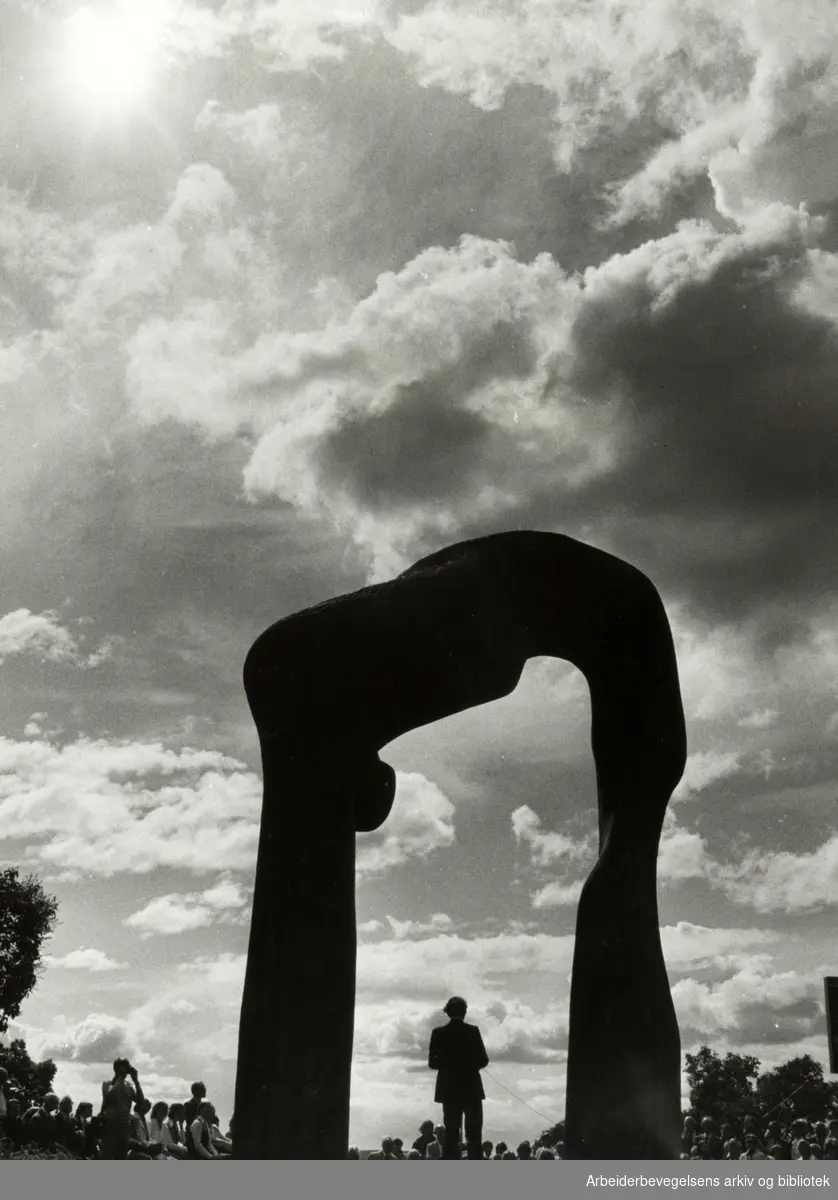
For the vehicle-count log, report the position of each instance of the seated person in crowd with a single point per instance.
(434, 1148)
(67, 1132)
(198, 1138)
(161, 1133)
(426, 1136)
(223, 1145)
(141, 1142)
(39, 1123)
(176, 1122)
(11, 1126)
(753, 1149)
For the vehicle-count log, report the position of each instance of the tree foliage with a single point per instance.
(27, 917)
(733, 1086)
(32, 1080)
(721, 1087)
(797, 1088)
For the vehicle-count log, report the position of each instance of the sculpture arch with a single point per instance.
(328, 688)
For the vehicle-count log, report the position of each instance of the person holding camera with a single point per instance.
(118, 1099)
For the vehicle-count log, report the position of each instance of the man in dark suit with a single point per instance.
(458, 1055)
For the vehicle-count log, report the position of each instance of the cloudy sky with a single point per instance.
(292, 294)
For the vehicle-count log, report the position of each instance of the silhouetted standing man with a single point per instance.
(458, 1055)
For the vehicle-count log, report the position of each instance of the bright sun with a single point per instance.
(109, 55)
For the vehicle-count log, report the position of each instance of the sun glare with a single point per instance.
(110, 55)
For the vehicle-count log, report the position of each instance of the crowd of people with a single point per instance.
(792, 1138)
(127, 1125)
(430, 1144)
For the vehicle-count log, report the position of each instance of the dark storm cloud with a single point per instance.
(427, 442)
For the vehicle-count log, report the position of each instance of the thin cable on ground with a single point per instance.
(549, 1120)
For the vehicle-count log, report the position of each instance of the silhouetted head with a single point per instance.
(387, 1145)
(159, 1111)
(545, 1152)
(65, 1105)
(830, 1148)
(176, 1111)
(689, 1124)
(84, 1110)
(776, 1150)
(803, 1150)
(487, 1149)
(199, 1090)
(508, 1155)
(525, 1150)
(426, 1127)
(354, 1152)
(439, 1132)
(50, 1102)
(141, 1107)
(456, 1008)
(501, 1149)
(121, 1067)
(815, 1150)
(733, 1148)
(414, 1154)
(708, 1124)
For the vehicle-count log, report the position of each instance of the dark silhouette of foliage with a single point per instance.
(30, 1079)
(721, 1087)
(797, 1088)
(27, 917)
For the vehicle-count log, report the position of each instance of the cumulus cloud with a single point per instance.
(83, 959)
(438, 922)
(43, 635)
(545, 847)
(683, 854)
(420, 823)
(513, 1031)
(105, 807)
(223, 903)
(727, 92)
(756, 1004)
(705, 768)
(783, 881)
(98, 1038)
(557, 895)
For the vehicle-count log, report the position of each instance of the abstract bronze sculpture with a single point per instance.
(328, 688)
